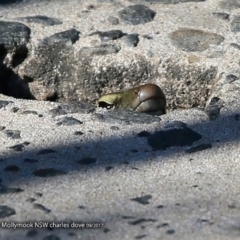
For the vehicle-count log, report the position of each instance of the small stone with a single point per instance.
(109, 35)
(131, 40)
(194, 40)
(71, 35)
(44, 20)
(69, 121)
(142, 220)
(18, 147)
(115, 128)
(41, 207)
(12, 168)
(235, 45)
(140, 236)
(231, 78)
(6, 211)
(113, 20)
(199, 147)
(15, 109)
(142, 200)
(2, 128)
(13, 134)
(221, 15)
(78, 133)
(235, 24)
(2, 102)
(137, 14)
(175, 124)
(162, 140)
(48, 172)
(170, 231)
(29, 112)
(87, 161)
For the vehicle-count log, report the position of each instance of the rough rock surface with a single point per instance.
(151, 41)
(134, 176)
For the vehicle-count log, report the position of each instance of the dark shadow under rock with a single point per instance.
(162, 140)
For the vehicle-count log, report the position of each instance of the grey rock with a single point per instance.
(113, 20)
(175, 124)
(14, 35)
(222, 15)
(109, 35)
(102, 49)
(143, 199)
(142, 220)
(162, 140)
(19, 147)
(6, 211)
(71, 35)
(235, 45)
(13, 134)
(231, 78)
(68, 121)
(194, 39)
(44, 20)
(235, 24)
(136, 14)
(229, 4)
(131, 40)
(41, 207)
(4, 103)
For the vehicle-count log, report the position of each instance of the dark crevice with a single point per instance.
(19, 56)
